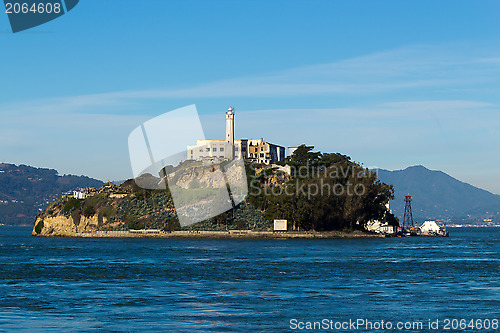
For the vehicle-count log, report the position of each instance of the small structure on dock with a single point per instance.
(430, 227)
(280, 225)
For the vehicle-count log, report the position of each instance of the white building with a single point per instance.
(213, 151)
(380, 227)
(280, 225)
(78, 195)
(261, 151)
(430, 227)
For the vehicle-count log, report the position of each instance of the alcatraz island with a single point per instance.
(307, 194)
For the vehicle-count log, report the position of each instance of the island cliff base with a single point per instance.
(214, 234)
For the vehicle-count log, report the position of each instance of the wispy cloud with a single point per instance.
(445, 69)
(418, 96)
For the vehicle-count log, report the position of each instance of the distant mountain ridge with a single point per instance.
(24, 190)
(436, 194)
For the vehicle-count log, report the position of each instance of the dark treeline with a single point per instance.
(326, 191)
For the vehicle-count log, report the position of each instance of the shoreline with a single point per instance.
(231, 234)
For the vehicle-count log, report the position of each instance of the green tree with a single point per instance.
(89, 211)
(303, 160)
(338, 195)
(72, 204)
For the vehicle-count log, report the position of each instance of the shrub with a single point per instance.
(132, 223)
(89, 211)
(72, 204)
(241, 225)
(76, 217)
(172, 224)
(107, 211)
(93, 200)
(39, 227)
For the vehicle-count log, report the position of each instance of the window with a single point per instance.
(208, 149)
(191, 151)
(214, 149)
(221, 149)
(221, 156)
(201, 150)
(261, 155)
(235, 148)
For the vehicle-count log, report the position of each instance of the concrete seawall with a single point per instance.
(241, 234)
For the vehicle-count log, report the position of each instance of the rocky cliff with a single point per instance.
(65, 226)
(149, 206)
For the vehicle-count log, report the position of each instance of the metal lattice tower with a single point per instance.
(408, 218)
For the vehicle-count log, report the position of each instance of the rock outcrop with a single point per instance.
(65, 226)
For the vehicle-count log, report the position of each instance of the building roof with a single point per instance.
(430, 225)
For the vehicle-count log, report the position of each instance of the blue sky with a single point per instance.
(391, 83)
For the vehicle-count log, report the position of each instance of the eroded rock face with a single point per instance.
(200, 177)
(210, 176)
(64, 226)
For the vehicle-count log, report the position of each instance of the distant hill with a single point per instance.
(24, 190)
(438, 195)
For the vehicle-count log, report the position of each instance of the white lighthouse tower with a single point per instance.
(230, 131)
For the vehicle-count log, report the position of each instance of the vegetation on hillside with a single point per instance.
(327, 191)
(321, 192)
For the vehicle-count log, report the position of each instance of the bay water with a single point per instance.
(261, 285)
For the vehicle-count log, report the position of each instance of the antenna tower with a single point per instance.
(408, 218)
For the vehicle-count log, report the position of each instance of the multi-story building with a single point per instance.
(261, 151)
(211, 150)
(257, 150)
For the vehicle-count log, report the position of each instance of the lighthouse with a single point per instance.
(230, 132)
